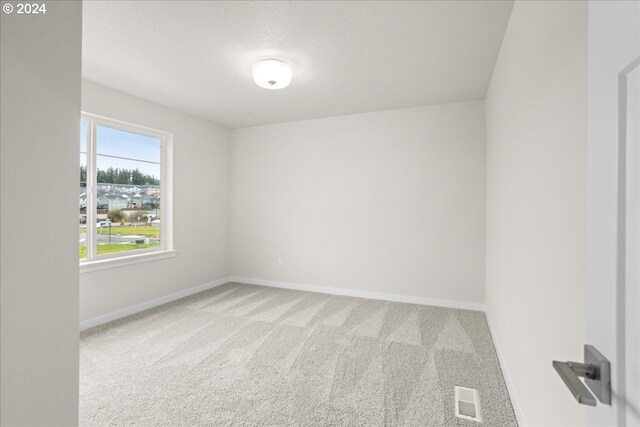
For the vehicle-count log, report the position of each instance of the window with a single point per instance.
(124, 191)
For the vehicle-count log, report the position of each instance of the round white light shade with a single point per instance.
(272, 74)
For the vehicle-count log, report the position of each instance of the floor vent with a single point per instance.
(467, 404)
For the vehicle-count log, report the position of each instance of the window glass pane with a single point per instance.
(121, 171)
(119, 143)
(127, 195)
(128, 198)
(83, 206)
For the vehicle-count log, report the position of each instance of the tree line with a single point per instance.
(121, 176)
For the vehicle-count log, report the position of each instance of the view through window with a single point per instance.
(120, 195)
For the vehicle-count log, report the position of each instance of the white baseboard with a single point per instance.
(118, 314)
(505, 374)
(361, 294)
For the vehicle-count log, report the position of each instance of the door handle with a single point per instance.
(569, 372)
(596, 371)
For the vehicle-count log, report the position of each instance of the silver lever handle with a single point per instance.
(569, 372)
(597, 374)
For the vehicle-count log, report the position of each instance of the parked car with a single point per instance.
(103, 223)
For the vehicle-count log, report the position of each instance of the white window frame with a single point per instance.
(93, 261)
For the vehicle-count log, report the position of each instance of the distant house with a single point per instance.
(113, 202)
(115, 197)
(153, 191)
(150, 201)
(136, 200)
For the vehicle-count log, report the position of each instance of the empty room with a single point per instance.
(320, 213)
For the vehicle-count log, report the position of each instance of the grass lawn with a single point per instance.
(116, 247)
(128, 230)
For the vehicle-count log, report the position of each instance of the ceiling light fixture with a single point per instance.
(272, 74)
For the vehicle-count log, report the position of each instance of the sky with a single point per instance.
(124, 144)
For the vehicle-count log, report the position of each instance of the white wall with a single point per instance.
(200, 207)
(384, 202)
(40, 72)
(536, 204)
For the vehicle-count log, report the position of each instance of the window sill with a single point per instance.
(103, 264)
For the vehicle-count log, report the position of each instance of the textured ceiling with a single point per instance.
(348, 57)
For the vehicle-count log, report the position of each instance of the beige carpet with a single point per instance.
(248, 355)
